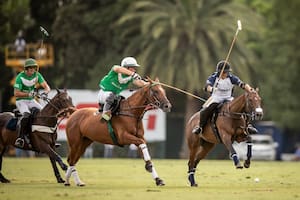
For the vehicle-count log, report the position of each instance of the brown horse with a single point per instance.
(43, 136)
(232, 120)
(84, 126)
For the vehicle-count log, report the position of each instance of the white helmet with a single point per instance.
(129, 62)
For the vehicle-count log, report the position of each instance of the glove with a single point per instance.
(44, 95)
(32, 94)
(136, 76)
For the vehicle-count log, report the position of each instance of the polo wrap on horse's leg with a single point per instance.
(68, 174)
(145, 152)
(147, 158)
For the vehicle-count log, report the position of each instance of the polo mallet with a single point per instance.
(239, 28)
(44, 33)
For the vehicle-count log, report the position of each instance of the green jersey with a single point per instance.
(26, 83)
(110, 82)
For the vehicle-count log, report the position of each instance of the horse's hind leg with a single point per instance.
(192, 165)
(196, 155)
(53, 156)
(56, 171)
(76, 150)
(2, 178)
(149, 165)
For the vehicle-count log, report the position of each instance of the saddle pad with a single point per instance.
(12, 124)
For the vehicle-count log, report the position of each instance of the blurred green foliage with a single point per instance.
(178, 41)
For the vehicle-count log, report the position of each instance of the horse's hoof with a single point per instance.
(194, 185)
(3, 179)
(159, 182)
(239, 167)
(81, 184)
(246, 165)
(60, 180)
(67, 184)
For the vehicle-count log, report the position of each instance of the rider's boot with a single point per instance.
(205, 113)
(106, 114)
(199, 128)
(22, 126)
(251, 129)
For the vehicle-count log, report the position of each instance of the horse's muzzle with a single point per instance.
(259, 113)
(166, 107)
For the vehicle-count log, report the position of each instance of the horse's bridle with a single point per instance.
(153, 103)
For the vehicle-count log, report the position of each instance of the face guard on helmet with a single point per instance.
(220, 65)
(30, 63)
(129, 62)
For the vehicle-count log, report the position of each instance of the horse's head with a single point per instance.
(157, 96)
(61, 101)
(254, 104)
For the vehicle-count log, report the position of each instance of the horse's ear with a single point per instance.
(57, 90)
(149, 79)
(156, 79)
(257, 89)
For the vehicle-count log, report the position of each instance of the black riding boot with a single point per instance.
(205, 113)
(22, 126)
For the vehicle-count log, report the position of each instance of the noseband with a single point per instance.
(249, 108)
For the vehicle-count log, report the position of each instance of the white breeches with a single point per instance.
(102, 96)
(25, 105)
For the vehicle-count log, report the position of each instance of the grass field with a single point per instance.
(126, 179)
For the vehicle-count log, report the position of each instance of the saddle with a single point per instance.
(13, 122)
(115, 106)
(213, 121)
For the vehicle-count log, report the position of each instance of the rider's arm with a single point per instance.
(210, 83)
(122, 70)
(18, 93)
(46, 87)
(235, 80)
(248, 88)
(140, 83)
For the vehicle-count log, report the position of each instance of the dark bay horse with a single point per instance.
(231, 123)
(84, 126)
(43, 136)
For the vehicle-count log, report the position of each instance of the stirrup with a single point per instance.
(197, 130)
(251, 130)
(20, 142)
(106, 116)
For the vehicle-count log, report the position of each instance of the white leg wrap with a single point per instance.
(77, 179)
(154, 173)
(69, 173)
(146, 154)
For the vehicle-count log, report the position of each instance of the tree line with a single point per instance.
(179, 41)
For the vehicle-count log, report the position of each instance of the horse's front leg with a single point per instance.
(249, 152)
(149, 165)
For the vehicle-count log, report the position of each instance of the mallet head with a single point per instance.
(44, 31)
(239, 23)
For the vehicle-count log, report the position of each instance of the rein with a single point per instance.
(238, 115)
(152, 105)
